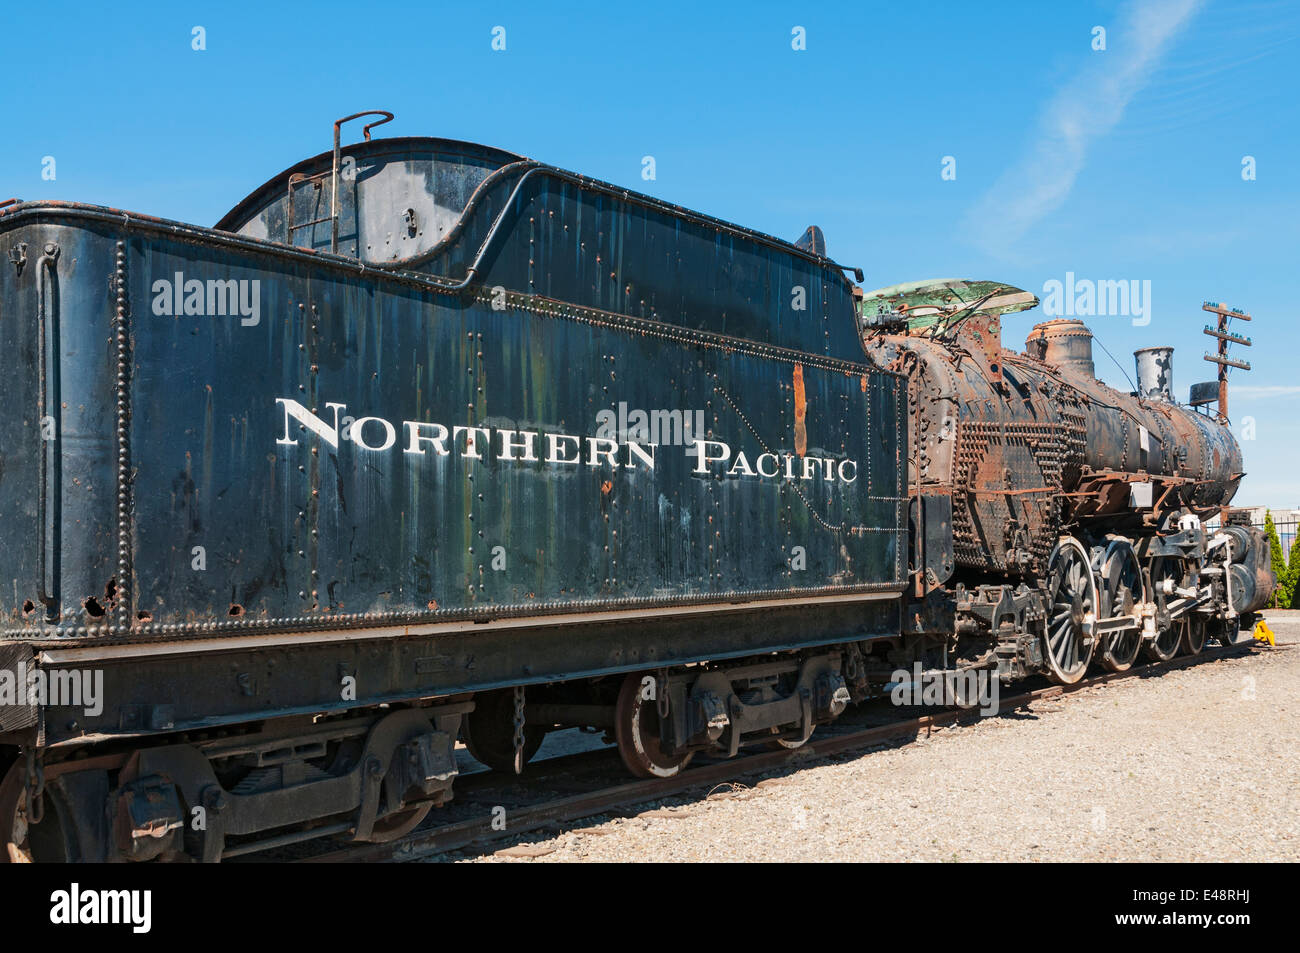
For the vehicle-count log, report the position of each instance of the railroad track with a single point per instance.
(479, 830)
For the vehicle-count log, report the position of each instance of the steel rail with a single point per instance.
(478, 831)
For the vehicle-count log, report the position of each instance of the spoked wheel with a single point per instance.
(1225, 631)
(1071, 613)
(1166, 572)
(1194, 630)
(636, 729)
(489, 731)
(1120, 591)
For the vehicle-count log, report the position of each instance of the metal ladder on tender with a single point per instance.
(298, 179)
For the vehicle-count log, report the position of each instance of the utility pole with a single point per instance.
(1220, 357)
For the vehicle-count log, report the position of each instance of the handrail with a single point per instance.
(50, 491)
(334, 178)
(492, 232)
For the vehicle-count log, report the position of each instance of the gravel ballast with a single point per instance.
(1198, 764)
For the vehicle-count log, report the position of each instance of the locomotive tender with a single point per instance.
(426, 441)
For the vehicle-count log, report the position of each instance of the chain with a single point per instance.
(35, 788)
(519, 729)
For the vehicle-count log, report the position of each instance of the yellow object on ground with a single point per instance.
(1263, 633)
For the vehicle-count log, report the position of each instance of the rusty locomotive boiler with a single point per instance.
(1047, 503)
(426, 441)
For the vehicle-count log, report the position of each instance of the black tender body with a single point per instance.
(178, 496)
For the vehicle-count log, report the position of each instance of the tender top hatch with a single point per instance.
(397, 198)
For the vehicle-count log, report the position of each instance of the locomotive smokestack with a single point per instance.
(1065, 342)
(1155, 373)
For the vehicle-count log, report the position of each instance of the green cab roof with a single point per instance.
(935, 300)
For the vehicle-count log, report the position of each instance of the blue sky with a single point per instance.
(1123, 163)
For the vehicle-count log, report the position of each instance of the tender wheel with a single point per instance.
(399, 824)
(1165, 572)
(22, 842)
(13, 817)
(1120, 591)
(1071, 613)
(489, 731)
(636, 729)
(786, 744)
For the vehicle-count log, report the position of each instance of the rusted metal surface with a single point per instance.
(1029, 444)
(1065, 343)
(1001, 460)
(800, 413)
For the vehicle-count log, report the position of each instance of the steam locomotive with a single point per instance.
(1059, 520)
(426, 443)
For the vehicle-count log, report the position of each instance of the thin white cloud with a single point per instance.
(1263, 391)
(1086, 109)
